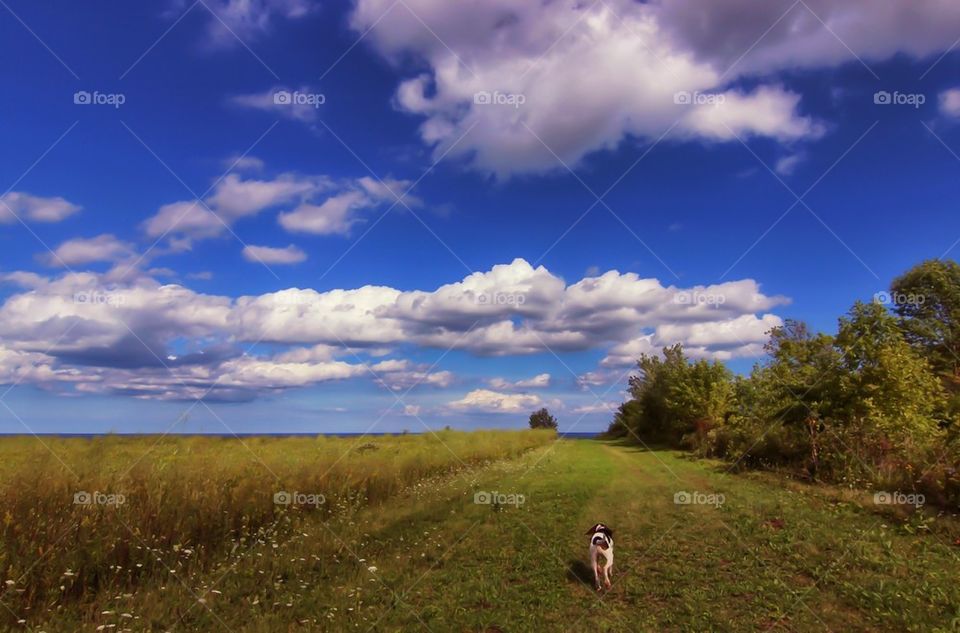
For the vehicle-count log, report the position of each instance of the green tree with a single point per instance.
(927, 300)
(542, 420)
(803, 383)
(676, 401)
(625, 420)
(891, 398)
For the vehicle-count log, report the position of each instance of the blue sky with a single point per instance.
(184, 249)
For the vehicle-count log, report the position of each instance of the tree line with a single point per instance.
(877, 404)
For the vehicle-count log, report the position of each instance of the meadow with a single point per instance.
(88, 519)
(455, 532)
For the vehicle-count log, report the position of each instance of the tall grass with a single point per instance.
(172, 505)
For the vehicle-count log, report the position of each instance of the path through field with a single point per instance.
(771, 557)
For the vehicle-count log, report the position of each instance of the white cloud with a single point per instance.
(584, 77)
(540, 381)
(510, 309)
(743, 336)
(244, 163)
(768, 111)
(111, 333)
(338, 213)
(587, 381)
(184, 218)
(486, 401)
(786, 165)
(403, 380)
(78, 251)
(232, 198)
(335, 215)
(950, 102)
(271, 255)
(16, 204)
(24, 279)
(233, 21)
(599, 407)
(300, 104)
(319, 205)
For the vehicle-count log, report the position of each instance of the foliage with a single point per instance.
(872, 403)
(542, 420)
(677, 401)
(927, 300)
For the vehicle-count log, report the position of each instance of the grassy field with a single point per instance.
(423, 554)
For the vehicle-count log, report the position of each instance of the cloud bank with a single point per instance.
(82, 332)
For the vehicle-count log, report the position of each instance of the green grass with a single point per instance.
(774, 556)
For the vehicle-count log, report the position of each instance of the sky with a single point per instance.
(242, 216)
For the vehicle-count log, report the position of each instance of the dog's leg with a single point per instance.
(608, 568)
(595, 564)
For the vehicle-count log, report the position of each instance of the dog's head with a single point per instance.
(600, 527)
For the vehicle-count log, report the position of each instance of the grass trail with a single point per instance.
(771, 557)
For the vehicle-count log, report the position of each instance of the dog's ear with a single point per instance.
(592, 529)
(608, 531)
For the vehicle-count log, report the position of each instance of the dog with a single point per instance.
(601, 544)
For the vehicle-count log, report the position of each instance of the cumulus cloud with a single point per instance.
(139, 336)
(318, 204)
(582, 77)
(272, 255)
(486, 401)
(232, 198)
(743, 336)
(338, 213)
(540, 381)
(510, 309)
(78, 251)
(17, 204)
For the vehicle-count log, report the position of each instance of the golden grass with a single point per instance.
(188, 500)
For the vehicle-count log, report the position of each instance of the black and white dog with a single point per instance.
(601, 544)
